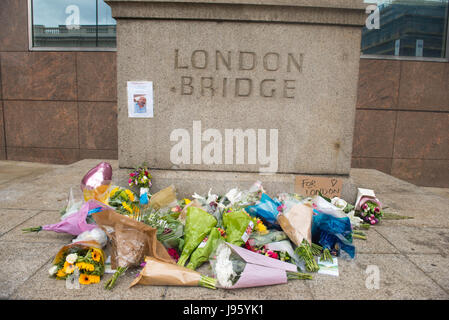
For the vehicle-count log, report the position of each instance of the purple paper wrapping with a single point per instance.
(75, 224)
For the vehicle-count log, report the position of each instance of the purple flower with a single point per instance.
(143, 264)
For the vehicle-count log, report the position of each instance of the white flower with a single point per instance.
(340, 203)
(71, 258)
(223, 266)
(355, 221)
(53, 270)
(234, 195)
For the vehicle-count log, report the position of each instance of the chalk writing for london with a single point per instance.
(221, 67)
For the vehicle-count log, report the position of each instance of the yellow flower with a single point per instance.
(61, 273)
(187, 201)
(96, 255)
(81, 265)
(261, 228)
(127, 207)
(113, 191)
(89, 267)
(130, 194)
(94, 279)
(84, 279)
(68, 268)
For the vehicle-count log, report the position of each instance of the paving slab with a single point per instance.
(20, 261)
(412, 239)
(43, 218)
(433, 265)
(398, 279)
(41, 286)
(9, 219)
(374, 243)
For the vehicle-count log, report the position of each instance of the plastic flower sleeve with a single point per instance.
(267, 209)
(256, 239)
(96, 183)
(333, 233)
(204, 249)
(238, 226)
(198, 225)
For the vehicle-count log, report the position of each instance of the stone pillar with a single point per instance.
(240, 88)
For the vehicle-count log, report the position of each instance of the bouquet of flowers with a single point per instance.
(368, 206)
(204, 249)
(170, 231)
(236, 267)
(159, 273)
(124, 202)
(140, 177)
(198, 225)
(76, 223)
(85, 257)
(131, 242)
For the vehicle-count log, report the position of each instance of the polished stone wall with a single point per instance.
(56, 107)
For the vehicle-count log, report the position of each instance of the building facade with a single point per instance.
(58, 101)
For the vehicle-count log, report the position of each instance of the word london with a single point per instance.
(242, 62)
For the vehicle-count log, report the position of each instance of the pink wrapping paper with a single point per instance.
(76, 224)
(260, 270)
(256, 276)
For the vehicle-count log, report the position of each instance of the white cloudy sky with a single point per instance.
(51, 13)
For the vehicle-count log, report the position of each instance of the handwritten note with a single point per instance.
(310, 186)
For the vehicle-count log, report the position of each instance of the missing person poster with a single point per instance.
(140, 99)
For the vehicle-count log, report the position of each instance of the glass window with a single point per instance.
(412, 28)
(72, 24)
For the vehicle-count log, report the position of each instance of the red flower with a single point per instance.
(173, 253)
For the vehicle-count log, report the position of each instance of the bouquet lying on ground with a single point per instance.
(84, 258)
(159, 273)
(236, 267)
(77, 222)
(368, 206)
(198, 225)
(131, 242)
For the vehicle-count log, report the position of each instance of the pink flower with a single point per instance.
(377, 210)
(364, 207)
(132, 174)
(373, 222)
(130, 180)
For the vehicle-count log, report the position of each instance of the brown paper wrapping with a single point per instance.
(131, 240)
(163, 198)
(297, 223)
(183, 215)
(159, 273)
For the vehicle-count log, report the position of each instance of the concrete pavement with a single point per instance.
(412, 256)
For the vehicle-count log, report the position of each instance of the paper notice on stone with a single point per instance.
(140, 99)
(310, 186)
(329, 268)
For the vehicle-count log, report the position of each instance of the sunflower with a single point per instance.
(89, 267)
(113, 191)
(127, 207)
(94, 279)
(96, 255)
(81, 265)
(61, 273)
(68, 268)
(129, 194)
(84, 279)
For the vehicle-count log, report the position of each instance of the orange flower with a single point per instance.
(61, 273)
(84, 279)
(94, 278)
(68, 268)
(96, 255)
